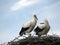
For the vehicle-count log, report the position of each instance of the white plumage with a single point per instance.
(43, 28)
(29, 26)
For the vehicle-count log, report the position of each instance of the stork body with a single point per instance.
(42, 29)
(29, 26)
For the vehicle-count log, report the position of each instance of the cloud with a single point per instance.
(22, 3)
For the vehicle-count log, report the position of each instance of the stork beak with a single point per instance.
(36, 18)
(41, 23)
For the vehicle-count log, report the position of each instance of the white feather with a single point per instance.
(28, 24)
(31, 24)
(45, 27)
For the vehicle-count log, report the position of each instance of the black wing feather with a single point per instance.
(23, 29)
(37, 29)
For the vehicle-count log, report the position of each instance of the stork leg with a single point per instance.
(29, 35)
(46, 35)
(39, 35)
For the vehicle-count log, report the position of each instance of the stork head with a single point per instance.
(45, 21)
(34, 15)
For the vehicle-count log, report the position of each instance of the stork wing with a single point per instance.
(25, 27)
(23, 30)
(37, 29)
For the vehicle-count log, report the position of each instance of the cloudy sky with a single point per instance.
(14, 13)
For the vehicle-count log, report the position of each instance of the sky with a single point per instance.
(14, 13)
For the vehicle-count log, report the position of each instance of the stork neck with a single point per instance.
(34, 19)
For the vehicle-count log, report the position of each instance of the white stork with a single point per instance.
(29, 26)
(43, 28)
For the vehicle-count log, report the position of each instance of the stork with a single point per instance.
(43, 28)
(28, 26)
